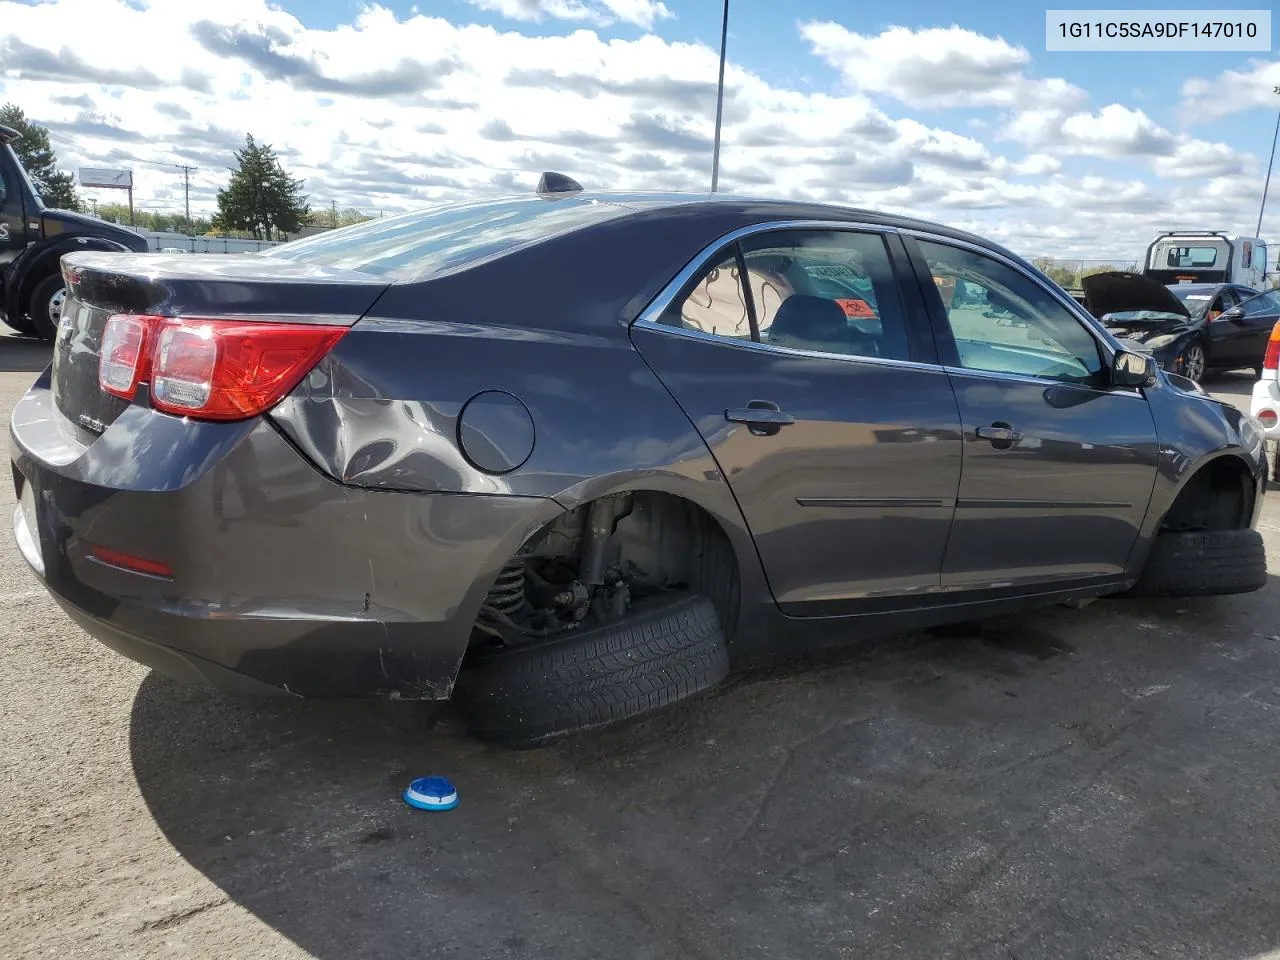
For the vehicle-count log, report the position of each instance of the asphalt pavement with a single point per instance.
(1089, 783)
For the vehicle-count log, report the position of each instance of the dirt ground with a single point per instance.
(1092, 783)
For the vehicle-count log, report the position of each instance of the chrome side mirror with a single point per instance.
(1132, 370)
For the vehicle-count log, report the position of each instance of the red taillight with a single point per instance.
(1272, 359)
(127, 561)
(206, 368)
(122, 361)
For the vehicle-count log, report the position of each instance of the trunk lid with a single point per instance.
(247, 287)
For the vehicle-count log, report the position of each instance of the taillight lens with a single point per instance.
(1272, 359)
(211, 369)
(122, 360)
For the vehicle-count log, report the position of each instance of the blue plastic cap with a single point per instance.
(431, 793)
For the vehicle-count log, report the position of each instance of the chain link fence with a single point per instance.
(1067, 273)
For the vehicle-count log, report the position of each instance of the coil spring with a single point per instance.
(506, 596)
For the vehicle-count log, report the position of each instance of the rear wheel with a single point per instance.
(665, 650)
(44, 309)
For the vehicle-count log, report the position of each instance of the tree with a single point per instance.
(57, 187)
(350, 216)
(261, 197)
(151, 219)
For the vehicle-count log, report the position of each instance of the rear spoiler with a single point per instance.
(8, 135)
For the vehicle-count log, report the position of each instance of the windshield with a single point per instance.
(22, 171)
(415, 246)
(1195, 299)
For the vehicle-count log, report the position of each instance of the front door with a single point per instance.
(1058, 467)
(12, 224)
(841, 447)
(1251, 331)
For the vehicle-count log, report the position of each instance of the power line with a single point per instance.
(186, 169)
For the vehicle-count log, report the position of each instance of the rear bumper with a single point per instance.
(282, 580)
(1266, 399)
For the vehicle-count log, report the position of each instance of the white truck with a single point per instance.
(1207, 256)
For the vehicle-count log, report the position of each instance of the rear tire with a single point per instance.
(664, 651)
(45, 306)
(1203, 564)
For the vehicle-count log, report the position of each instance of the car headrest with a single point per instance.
(807, 317)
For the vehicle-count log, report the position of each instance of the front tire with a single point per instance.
(1195, 362)
(524, 695)
(44, 309)
(1204, 563)
(22, 324)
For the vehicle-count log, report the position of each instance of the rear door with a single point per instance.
(814, 387)
(1058, 467)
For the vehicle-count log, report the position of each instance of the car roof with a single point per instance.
(761, 209)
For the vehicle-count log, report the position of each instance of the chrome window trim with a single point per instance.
(778, 349)
(658, 305)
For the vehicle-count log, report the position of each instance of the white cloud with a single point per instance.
(1116, 130)
(1233, 91)
(1201, 160)
(642, 13)
(937, 67)
(1037, 165)
(1119, 132)
(396, 112)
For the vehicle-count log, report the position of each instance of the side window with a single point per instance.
(1264, 304)
(1004, 322)
(714, 303)
(830, 291)
(1222, 302)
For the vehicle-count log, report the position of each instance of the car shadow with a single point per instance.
(934, 794)
(20, 354)
(1230, 385)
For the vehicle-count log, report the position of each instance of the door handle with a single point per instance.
(762, 417)
(1001, 434)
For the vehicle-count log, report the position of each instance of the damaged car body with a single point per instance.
(1189, 328)
(570, 458)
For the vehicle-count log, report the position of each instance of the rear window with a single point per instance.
(1189, 257)
(416, 246)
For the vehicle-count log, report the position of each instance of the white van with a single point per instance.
(1207, 256)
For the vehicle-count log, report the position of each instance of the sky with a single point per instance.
(955, 113)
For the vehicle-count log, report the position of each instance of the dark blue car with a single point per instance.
(568, 458)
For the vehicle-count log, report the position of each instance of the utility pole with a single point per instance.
(333, 213)
(715, 154)
(186, 178)
(1266, 184)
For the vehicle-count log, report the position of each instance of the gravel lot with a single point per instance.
(1091, 783)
